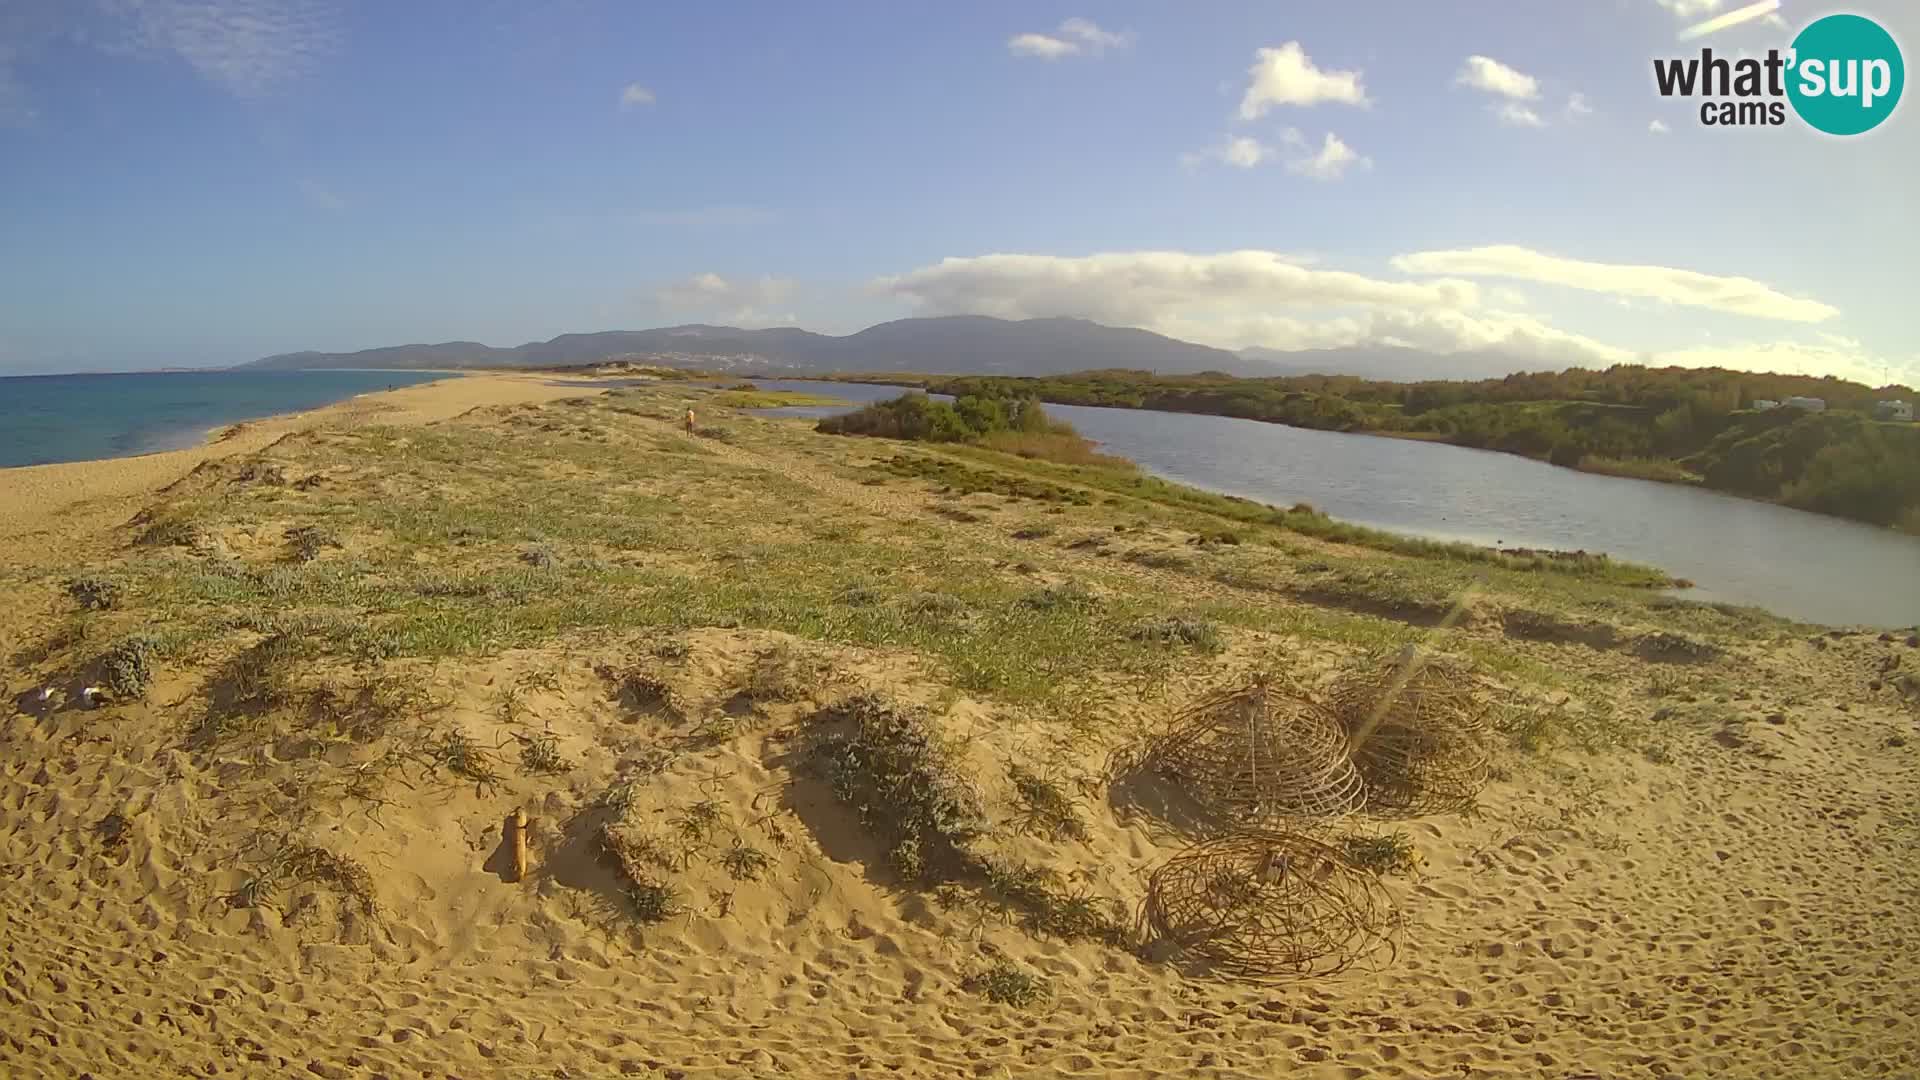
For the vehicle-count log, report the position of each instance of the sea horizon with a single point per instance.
(91, 416)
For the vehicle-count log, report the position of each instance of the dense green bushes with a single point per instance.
(1833, 463)
(1011, 425)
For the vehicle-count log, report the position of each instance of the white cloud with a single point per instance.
(322, 196)
(1330, 162)
(1040, 45)
(1577, 106)
(1262, 298)
(1687, 9)
(633, 95)
(1288, 76)
(1847, 361)
(733, 302)
(1234, 300)
(1074, 37)
(247, 47)
(1144, 288)
(1735, 295)
(1659, 127)
(1240, 151)
(1094, 38)
(1514, 114)
(1493, 77)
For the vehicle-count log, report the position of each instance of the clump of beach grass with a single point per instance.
(94, 593)
(1006, 984)
(891, 767)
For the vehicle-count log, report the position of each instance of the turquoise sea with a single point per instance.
(47, 418)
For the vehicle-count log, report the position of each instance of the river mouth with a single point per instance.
(1734, 551)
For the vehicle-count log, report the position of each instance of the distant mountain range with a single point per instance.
(949, 345)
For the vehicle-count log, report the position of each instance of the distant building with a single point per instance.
(1810, 404)
(1763, 404)
(1894, 410)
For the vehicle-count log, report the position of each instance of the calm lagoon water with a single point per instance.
(1804, 566)
(48, 418)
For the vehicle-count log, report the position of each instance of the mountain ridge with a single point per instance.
(937, 345)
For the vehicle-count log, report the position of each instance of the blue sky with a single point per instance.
(194, 182)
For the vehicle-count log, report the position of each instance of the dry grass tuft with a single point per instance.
(1198, 634)
(890, 766)
(1381, 853)
(1007, 985)
(127, 668)
(456, 752)
(540, 755)
(310, 540)
(643, 691)
(744, 862)
(1046, 808)
(94, 593)
(650, 898)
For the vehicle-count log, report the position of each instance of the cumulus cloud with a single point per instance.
(1491, 76)
(1240, 151)
(1272, 300)
(1734, 295)
(1514, 114)
(1074, 37)
(633, 96)
(1288, 76)
(1847, 360)
(1659, 127)
(1330, 162)
(735, 302)
(1142, 288)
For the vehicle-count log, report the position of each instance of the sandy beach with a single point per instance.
(338, 650)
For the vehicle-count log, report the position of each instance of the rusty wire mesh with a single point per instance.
(1260, 752)
(1266, 905)
(1416, 730)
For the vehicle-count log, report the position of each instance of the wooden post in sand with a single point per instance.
(517, 836)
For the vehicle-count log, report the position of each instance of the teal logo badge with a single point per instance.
(1845, 74)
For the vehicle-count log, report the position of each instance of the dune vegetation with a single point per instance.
(918, 755)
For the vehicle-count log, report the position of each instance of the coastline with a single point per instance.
(66, 506)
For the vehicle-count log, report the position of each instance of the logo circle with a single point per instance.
(1847, 74)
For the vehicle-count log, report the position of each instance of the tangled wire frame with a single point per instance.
(1266, 905)
(1416, 729)
(1261, 752)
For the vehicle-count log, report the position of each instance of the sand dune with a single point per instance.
(1730, 895)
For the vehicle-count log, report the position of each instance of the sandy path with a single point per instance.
(49, 511)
